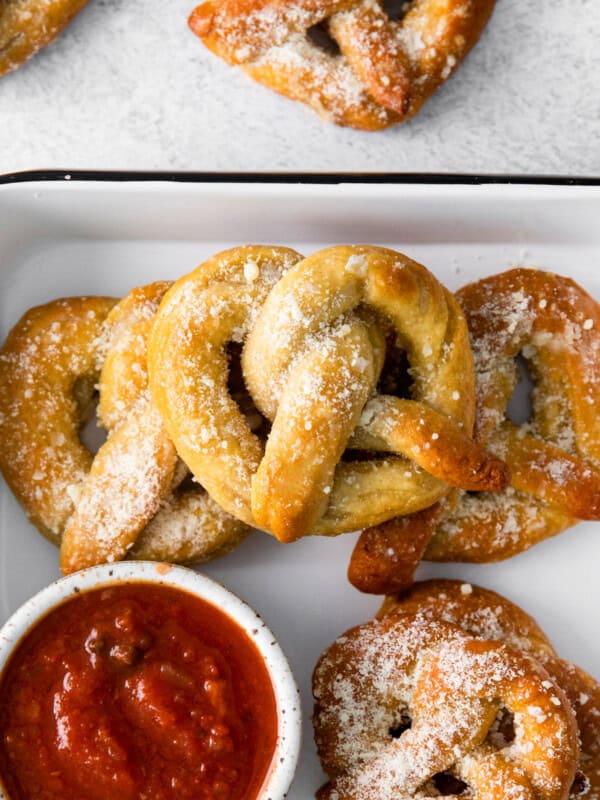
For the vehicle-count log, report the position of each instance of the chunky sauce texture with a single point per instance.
(136, 692)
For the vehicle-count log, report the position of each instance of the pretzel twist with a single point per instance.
(555, 458)
(488, 615)
(28, 25)
(385, 69)
(125, 498)
(314, 333)
(47, 376)
(380, 677)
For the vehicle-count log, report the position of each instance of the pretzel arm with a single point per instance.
(325, 395)
(130, 474)
(432, 440)
(549, 473)
(386, 556)
(28, 25)
(368, 40)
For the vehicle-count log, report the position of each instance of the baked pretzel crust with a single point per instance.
(128, 499)
(554, 459)
(27, 26)
(314, 339)
(445, 691)
(385, 69)
(489, 615)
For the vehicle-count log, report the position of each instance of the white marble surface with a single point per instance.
(127, 86)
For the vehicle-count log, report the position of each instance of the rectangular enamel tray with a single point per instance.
(99, 234)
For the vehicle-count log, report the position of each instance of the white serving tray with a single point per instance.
(68, 237)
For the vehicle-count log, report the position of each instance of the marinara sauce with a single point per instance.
(137, 691)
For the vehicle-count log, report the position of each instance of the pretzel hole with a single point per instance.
(321, 38)
(395, 376)
(447, 784)
(91, 434)
(580, 785)
(502, 733)
(240, 395)
(396, 9)
(519, 409)
(400, 727)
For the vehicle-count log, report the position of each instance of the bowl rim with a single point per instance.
(287, 696)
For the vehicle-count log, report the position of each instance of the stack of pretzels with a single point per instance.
(263, 390)
(344, 391)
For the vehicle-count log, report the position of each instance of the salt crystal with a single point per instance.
(537, 713)
(588, 324)
(466, 588)
(251, 271)
(357, 265)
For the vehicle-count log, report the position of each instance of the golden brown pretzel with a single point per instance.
(47, 376)
(554, 459)
(401, 700)
(129, 502)
(488, 615)
(49, 368)
(311, 361)
(134, 469)
(28, 25)
(385, 69)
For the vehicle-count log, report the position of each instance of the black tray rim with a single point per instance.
(312, 178)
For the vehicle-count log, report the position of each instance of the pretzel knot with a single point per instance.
(483, 613)
(404, 702)
(554, 458)
(126, 499)
(384, 71)
(315, 339)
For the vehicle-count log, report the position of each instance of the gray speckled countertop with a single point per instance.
(128, 86)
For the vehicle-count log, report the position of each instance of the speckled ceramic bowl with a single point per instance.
(285, 757)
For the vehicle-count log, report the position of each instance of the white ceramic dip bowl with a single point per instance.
(289, 722)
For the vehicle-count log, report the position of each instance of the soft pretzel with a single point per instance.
(554, 459)
(132, 501)
(404, 701)
(488, 615)
(312, 357)
(48, 373)
(384, 70)
(99, 506)
(134, 469)
(28, 25)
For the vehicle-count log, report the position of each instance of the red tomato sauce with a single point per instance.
(136, 692)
